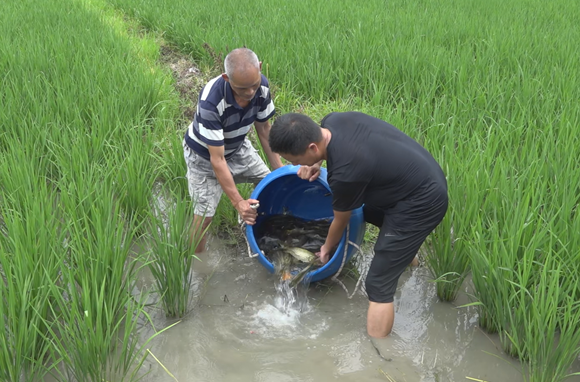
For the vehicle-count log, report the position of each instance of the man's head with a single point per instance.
(243, 72)
(298, 139)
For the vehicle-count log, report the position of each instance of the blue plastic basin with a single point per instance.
(282, 191)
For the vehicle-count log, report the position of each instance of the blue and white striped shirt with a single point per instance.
(220, 121)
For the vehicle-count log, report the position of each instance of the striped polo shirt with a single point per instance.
(220, 121)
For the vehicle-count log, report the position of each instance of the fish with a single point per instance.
(294, 280)
(290, 244)
(301, 254)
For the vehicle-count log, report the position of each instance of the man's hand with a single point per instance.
(309, 173)
(324, 254)
(248, 214)
(335, 232)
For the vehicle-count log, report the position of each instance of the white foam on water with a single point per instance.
(272, 316)
(270, 322)
(287, 315)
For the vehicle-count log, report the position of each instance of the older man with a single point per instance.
(370, 163)
(217, 152)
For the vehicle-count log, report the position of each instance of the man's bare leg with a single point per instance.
(415, 262)
(380, 318)
(199, 226)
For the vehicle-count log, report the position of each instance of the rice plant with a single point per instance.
(71, 87)
(546, 318)
(488, 256)
(173, 169)
(173, 253)
(447, 258)
(31, 238)
(136, 173)
(493, 96)
(523, 275)
(359, 54)
(96, 331)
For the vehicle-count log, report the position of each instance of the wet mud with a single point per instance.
(240, 330)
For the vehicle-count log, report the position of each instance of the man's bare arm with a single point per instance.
(337, 227)
(335, 231)
(263, 130)
(226, 180)
(223, 174)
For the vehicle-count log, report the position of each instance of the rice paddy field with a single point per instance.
(91, 128)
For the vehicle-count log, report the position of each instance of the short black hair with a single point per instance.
(292, 133)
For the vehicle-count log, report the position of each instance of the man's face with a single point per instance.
(245, 84)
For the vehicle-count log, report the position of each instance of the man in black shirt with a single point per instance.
(372, 164)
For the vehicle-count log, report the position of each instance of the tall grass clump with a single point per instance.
(136, 173)
(72, 86)
(173, 168)
(543, 328)
(500, 240)
(524, 273)
(98, 315)
(173, 253)
(547, 306)
(523, 257)
(446, 258)
(31, 253)
(447, 252)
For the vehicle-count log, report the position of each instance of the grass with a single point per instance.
(546, 305)
(446, 258)
(82, 110)
(173, 170)
(89, 125)
(30, 259)
(172, 255)
(96, 331)
(136, 173)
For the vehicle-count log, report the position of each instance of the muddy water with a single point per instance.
(238, 331)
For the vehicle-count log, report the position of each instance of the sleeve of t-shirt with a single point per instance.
(209, 124)
(267, 108)
(347, 196)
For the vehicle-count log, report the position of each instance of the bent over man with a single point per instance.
(372, 164)
(217, 152)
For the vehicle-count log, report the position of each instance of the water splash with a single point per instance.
(289, 299)
(286, 315)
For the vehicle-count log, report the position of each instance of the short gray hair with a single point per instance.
(240, 59)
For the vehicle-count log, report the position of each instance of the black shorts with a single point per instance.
(404, 228)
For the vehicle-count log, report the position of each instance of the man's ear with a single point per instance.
(225, 77)
(314, 147)
(260, 66)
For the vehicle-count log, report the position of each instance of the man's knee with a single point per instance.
(201, 221)
(378, 291)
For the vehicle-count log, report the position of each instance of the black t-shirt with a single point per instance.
(372, 162)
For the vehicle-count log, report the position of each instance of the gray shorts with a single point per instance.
(246, 166)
